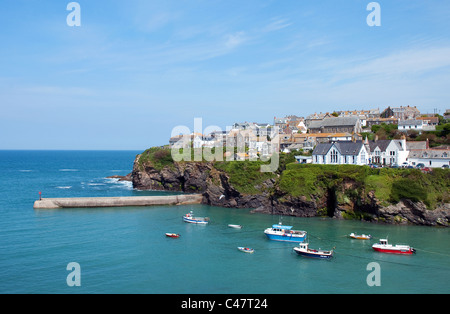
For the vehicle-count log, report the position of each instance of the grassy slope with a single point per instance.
(389, 185)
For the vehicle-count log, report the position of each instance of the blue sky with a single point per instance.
(134, 70)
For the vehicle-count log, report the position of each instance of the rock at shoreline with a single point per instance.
(121, 178)
(407, 211)
(345, 198)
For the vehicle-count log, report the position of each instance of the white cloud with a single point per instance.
(234, 40)
(406, 62)
(277, 24)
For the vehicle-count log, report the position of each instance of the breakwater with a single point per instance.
(89, 202)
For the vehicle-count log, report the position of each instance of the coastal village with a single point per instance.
(395, 137)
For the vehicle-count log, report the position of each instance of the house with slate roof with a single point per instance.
(339, 153)
(388, 152)
(410, 125)
(385, 152)
(336, 125)
(432, 158)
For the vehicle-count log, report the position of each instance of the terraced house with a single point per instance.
(385, 152)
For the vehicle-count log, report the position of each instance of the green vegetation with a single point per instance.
(158, 157)
(390, 131)
(350, 183)
(245, 176)
(309, 180)
(389, 185)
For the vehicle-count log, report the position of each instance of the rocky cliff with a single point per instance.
(300, 191)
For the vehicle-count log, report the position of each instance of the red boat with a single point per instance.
(172, 235)
(384, 247)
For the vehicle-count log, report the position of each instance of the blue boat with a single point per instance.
(279, 232)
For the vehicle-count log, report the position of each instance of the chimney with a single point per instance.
(376, 137)
(428, 144)
(403, 139)
(366, 145)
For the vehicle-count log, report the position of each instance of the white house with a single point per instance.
(343, 152)
(433, 158)
(388, 152)
(408, 125)
(378, 151)
(303, 159)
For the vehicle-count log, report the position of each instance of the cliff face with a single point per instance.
(279, 194)
(196, 177)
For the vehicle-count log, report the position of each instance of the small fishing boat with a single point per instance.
(304, 250)
(246, 249)
(384, 247)
(278, 232)
(235, 226)
(189, 217)
(360, 236)
(172, 235)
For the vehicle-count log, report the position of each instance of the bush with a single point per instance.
(406, 188)
(158, 157)
(246, 175)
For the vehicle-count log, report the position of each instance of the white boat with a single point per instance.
(172, 235)
(304, 250)
(235, 226)
(384, 247)
(245, 249)
(360, 236)
(189, 217)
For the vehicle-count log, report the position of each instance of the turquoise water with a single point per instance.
(124, 250)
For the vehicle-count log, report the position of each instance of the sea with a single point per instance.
(125, 250)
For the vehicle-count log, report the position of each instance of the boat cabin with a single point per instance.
(384, 241)
(303, 246)
(280, 227)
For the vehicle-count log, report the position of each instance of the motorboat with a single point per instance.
(279, 232)
(245, 249)
(384, 247)
(189, 217)
(360, 236)
(304, 250)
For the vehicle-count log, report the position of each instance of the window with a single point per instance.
(334, 156)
